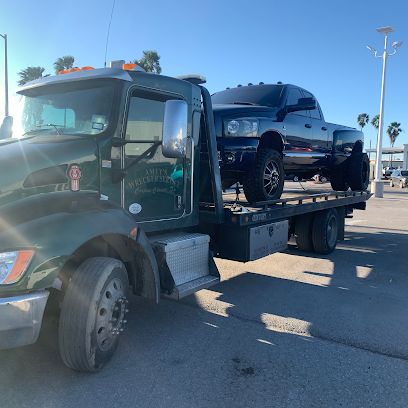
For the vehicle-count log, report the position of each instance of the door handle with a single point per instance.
(324, 128)
(308, 125)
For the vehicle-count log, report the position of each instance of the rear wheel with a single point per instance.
(401, 184)
(338, 177)
(358, 170)
(265, 181)
(325, 231)
(303, 232)
(92, 315)
(391, 183)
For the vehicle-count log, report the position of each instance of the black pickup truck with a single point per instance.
(264, 131)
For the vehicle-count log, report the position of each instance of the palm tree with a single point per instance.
(65, 62)
(362, 120)
(393, 130)
(150, 61)
(375, 121)
(30, 74)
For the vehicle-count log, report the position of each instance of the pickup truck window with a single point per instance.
(314, 113)
(293, 97)
(83, 110)
(265, 95)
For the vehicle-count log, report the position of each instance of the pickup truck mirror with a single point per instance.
(6, 128)
(303, 104)
(175, 129)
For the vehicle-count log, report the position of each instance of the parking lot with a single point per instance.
(289, 330)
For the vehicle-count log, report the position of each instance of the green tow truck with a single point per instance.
(111, 185)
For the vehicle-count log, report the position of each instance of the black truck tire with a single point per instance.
(338, 177)
(325, 231)
(303, 232)
(265, 181)
(358, 171)
(92, 315)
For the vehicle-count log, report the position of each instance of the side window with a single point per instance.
(293, 97)
(314, 113)
(144, 124)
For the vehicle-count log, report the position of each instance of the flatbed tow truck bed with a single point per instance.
(243, 233)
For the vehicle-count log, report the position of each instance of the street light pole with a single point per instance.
(377, 187)
(6, 104)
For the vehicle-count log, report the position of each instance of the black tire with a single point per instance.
(401, 184)
(268, 163)
(303, 232)
(92, 314)
(391, 183)
(338, 177)
(325, 231)
(358, 171)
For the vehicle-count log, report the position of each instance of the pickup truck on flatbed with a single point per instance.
(112, 184)
(264, 131)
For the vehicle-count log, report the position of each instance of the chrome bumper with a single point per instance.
(21, 318)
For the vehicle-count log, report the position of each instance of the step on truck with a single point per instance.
(111, 185)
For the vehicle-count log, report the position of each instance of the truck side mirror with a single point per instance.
(175, 129)
(303, 104)
(6, 128)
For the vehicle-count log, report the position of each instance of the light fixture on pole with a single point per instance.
(377, 186)
(6, 105)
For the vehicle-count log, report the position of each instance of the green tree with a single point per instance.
(375, 121)
(150, 61)
(362, 120)
(65, 62)
(393, 130)
(30, 74)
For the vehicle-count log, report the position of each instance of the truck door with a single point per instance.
(298, 131)
(320, 142)
(154, 187)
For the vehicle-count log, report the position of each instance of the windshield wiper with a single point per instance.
(56, 127)
(243, 103)
(40, 129)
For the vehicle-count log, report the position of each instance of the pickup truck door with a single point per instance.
(320, 134)
(154, 187)
(297, 128)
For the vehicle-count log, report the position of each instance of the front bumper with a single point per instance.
(21, 318)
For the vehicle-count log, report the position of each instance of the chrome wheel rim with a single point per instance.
(332, 231)
(111, 311)
(271, 178)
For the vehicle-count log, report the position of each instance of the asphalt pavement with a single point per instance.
(289, 330)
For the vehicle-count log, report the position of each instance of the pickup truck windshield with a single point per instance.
(265, 95)
(80, 109)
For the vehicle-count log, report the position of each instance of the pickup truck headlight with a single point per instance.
(13, 265)
(241, 127)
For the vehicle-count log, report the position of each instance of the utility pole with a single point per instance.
(6, 104)
(377, 185)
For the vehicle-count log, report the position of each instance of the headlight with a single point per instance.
(13, 265)
(241, 127)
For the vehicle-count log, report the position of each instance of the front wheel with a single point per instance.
(401, 184)
(265, 181)
(391, 183)
(92, 315)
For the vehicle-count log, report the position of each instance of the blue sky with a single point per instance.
(317, 44)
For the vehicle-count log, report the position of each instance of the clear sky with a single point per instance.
(317, 44)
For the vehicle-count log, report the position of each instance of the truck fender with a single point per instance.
(57, 237)
(272, 139)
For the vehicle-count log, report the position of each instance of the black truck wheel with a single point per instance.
(325, 231)
(338, 177)
(358, 171)
(303, 232)
(92, 315)
(265, 181)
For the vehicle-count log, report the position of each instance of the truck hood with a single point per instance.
(39, 164)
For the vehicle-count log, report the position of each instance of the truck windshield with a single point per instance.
(264, 95)
(83, 108)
